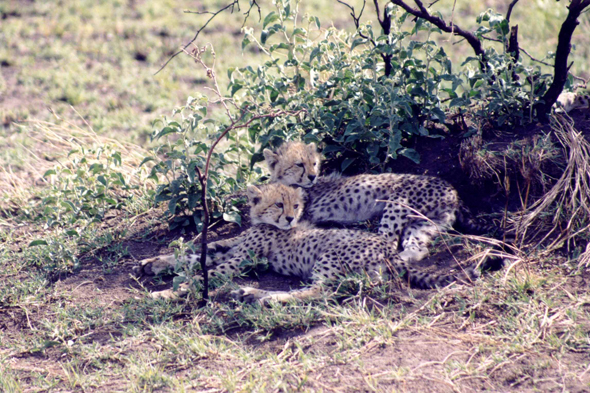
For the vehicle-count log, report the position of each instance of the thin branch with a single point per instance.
(561, 69)
(519, 48)
(423, 13)
(247, 13)
(510, 7)
(356, 20)
(232, 4)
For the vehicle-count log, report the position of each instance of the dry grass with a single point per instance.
(562, 216)
(53, 144)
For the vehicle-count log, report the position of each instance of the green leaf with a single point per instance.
(357, 42)
(165, 131)
(346, 163)
(49, 172)
(245, 42)
(269, 19)
(102, 180)
(172, 205)
(282, 45)
(37, 243)
(317, 22)
(411, 154)
(234, 88)
(233, 217)
(264, 36)
(299, 31)
(117, 156)
(147, 159)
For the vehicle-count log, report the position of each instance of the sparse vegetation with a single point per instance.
(78, 198)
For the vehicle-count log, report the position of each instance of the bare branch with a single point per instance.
(232, 4)
(520, 49)
(247, 13)
(356, 19)
(561, 68)
(510, 7)
(452, 28)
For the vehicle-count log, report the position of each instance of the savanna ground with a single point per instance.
(78, 77)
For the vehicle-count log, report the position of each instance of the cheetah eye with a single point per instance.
(279, 205)
(300, 165)
(296, 207)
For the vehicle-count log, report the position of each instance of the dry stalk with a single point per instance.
(240, 120)
(569, 198)
(54, 141)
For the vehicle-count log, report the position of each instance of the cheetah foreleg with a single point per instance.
(153, 266)
(263, 297)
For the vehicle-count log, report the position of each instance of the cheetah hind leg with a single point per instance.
(415, 240)
(419, 234)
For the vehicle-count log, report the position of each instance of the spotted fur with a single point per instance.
(570, 101)
(293, 163)
(304, 251)
(412, 208)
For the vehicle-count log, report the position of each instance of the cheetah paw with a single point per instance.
(171, 294)
(151, 267)
(249, 295)
(413, 254)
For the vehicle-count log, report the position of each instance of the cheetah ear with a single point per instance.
(254, 195)
(271, 158)
(301, 192)
(312, 148)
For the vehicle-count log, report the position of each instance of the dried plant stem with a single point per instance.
(569, 198)
(236, 121)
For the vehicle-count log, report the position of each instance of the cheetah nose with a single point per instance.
(289, 219)
(312, 177)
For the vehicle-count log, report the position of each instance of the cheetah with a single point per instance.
(569, 101)
(301, 250)
(413, 208)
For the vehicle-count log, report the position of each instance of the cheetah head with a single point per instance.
(275, 204)
(294, 164)
(582, 101)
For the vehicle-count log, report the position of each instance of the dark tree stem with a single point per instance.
(561, 67)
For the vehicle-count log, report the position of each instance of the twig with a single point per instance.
(510, 7)
(561, 70)
(236, 122)
(520, 49)
(247, 13)
(423, 13)
(356, 20)
(232, 4)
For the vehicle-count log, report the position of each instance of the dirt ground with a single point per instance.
(424, 354)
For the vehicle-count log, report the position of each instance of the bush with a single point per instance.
(364, 97)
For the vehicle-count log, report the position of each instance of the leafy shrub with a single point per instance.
(334, 90)
(180, 160)
(357, 112)
(82, 190)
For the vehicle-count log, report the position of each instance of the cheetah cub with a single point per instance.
(301, 250)
(568, 101)
(412, 208)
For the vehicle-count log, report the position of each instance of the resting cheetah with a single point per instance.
(412, 207)
(301, 250)
(569, 101)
